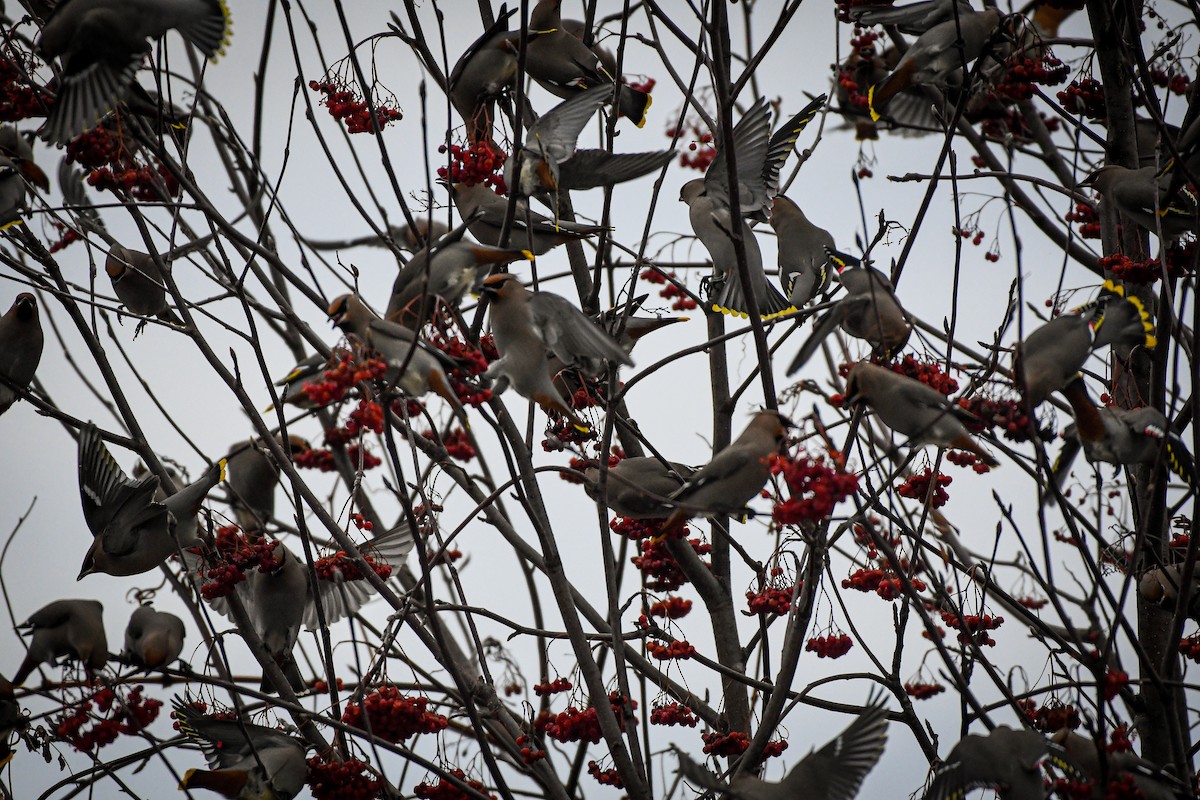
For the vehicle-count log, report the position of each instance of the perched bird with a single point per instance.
(911, 408)
(936, 59)
(65, 628)
(10, 719)
(1163, 585)
(834, 772)
(485, 210)
(1097, 764)
(246, 761)
(309, 371)
(20, 348)
(251, 473)
(734, 476)
(132, 532)
(548, 161)
(638, 488)
(17, 149)
(1006, 760)
(12, 194)
(279, 600)
(529, 325)
(102, 42)
(1145, 196)
(483, 75)
(806, 253)
(424, 366)
(137, 279)
(564, 66)
(153, 638)
(414, 237)
(914, 18)
(446, 269)
(870, 311)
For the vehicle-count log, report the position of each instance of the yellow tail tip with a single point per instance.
(222, 464)
(528, 255)
(187, 777)
(871, 105)
(581, 427)
(645, 111)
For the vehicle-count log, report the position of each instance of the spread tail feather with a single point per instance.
(1180, 462)
(732, 298)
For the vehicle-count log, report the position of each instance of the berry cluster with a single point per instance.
(852, 91)
(131, 715)
(19, 100)
(574, 725)
(143, 181)
(973, 628)
(1084, 96)
(605, 777)
(1119, 740)
(471, 361)
(815, 488)
(675, 651)
(882, 582)
(1023, 72)
(393, 717)
(1189, 648)
(339, 567)
(474, 164)
(96, 148)
(457, 443)
(700, 151)
(1085, 216)
(830, 646)
(972, 233)
(638, 529)
(445, 790)
(771, 600)
(673, 607)
(553, 687)
(345, 374)
(917, 487)
(725, 744)
(347, 107)
(661, 571)
(318, 459)
(351, 779)
(530, 753)
(68, 236)
(440, 557)
(929, 373)
(673, 714)
(322, 687)
(1032, 603)
(1114, 681)
(774, 748)
(1054, 716)
(231, 557)
(863, 537)
(1175, 82)
(961, 458)
(671, 288)
(644, 84)
(1182, 258)
(1129, 271)
(1010, 416)
(923, 691)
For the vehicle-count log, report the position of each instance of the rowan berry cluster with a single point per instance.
(814, 486)
(638, 529)
(673, 607)
(671, 714)
(1032, 603)
(1119, 740)
(1182, 258)
(882, 582)
(98, 147)
(1022, 73)
(972, 233)
(973, 628)
(771, 600)
(339, 566)
(671, 289)
(917, 487)
(725, 744)
(318, 459)
(923, 691)
(1084, 96)
(929, 373)
(1189, 648)
(474, 164)
(350, 779)
(129, 716)
(1126, 269)
(553, 687)
(830, 646)
(19, 100)
(445, 790)
(661, 571)
(367, 417)
(1113, 682)
(774, 748)
(1175, 82)
(961, 458)
(674, 651)
(142, 181)
(605, 777)
(68, 236)
(1085, 216)
(574, 725)
(645, 84)
(701, 150)
(342, 376)
(530, 753)
(111, 166)
(1010, 416)
(233, 555)
(393, 717)
(322, 687)
(348, 107)
(855, 97)
(457, 443)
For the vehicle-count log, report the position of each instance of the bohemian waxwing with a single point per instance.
(734, 476)
(17, 149)
(10, 718)
(415, 237)
(137, 279)
(638, 488)
(806, 253)
(153, 638)
(528, 326)
(65, 628)
(1006, 760)
(835, 772)
(484, 74)
(564, 66)
(911, 408)
(133, 533)
(914, 18)
(252, 474)
(246, 761)
(446, 269)
(310, 370)
(869, 310)
(424, 366)
(1163, 585)
(278, 601)
(485, 210)
(12, 194)
(1096, 764)
(1145, 197)
(20, 348)
(935, 58)
(102, 43)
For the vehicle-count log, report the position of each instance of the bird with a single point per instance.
(101, 43)
(869, 310)
(1146, 196)
(137, 279)
(153, 638)
(935, 57)
(446, 269)
(424, 367)
(64, 628)
(1006, 760)
(834, 772)
(12, 194)
(528, 325)
(565, 67)
(914, 18)
(279, 600)
(806, 253)
(414, 237)
(132, 532)
(734, 476)
(17, 149)
(246, 761)
(911, 408)
(20, 348)
(485, 211)
(1097, 763)
(10, 719)
(638, 487)
(1163, 585)
(483, 75)
(251, 474)
(308, 371)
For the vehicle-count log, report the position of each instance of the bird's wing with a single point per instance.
(556, 133)
(225, 742)
(501, 24)
(821, 328)
(570, 334)
(107, 491)
(836, 771)
(751, 137)
(588, 169)
(697, 774)
(340, 598)
(782, 143)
